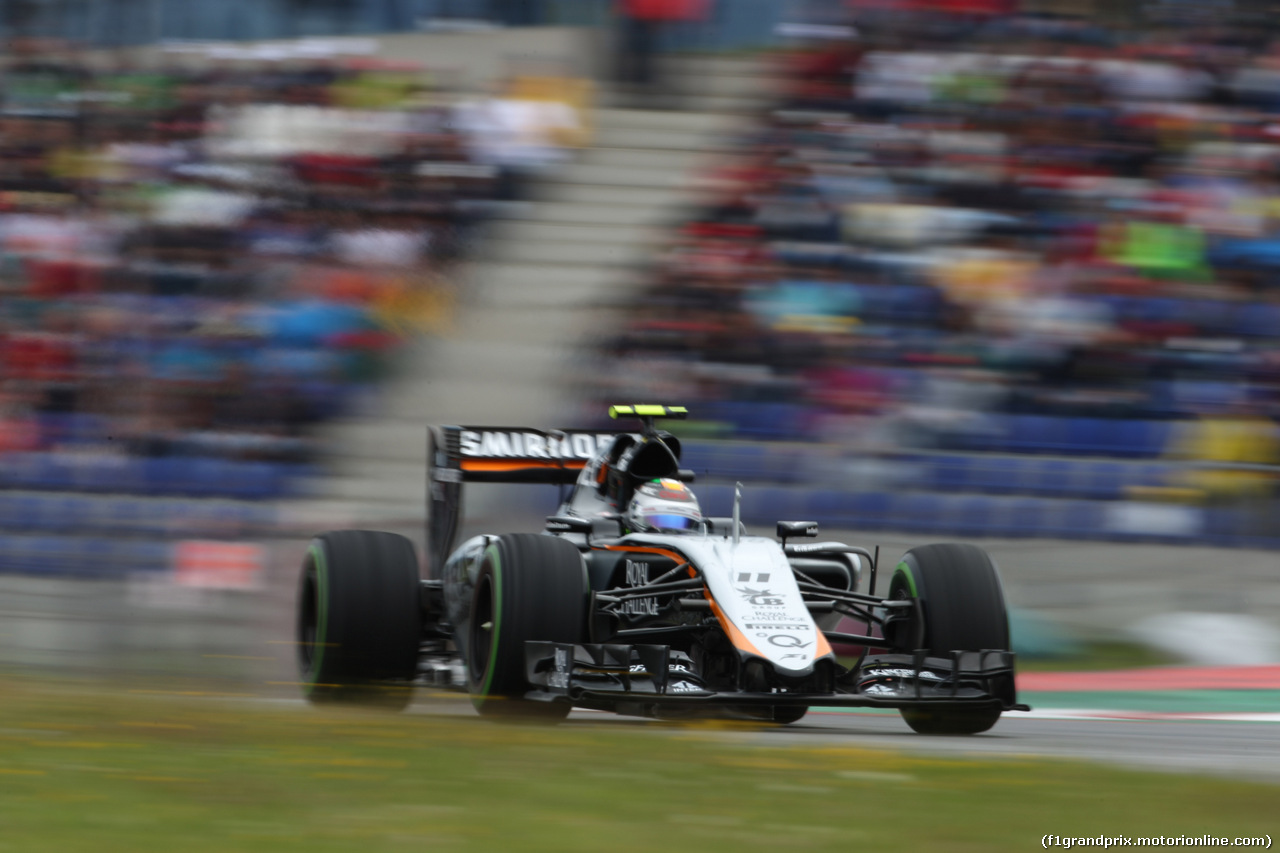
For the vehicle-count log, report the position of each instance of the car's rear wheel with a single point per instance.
(961, 609)
(529, 587)
(359, 620)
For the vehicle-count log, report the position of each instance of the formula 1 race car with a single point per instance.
(632, 601)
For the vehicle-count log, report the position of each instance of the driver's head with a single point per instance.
(663, 506)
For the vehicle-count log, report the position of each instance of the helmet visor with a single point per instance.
(670, 521)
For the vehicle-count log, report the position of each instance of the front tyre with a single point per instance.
(786, 714)
(359, 619)
(529, 587)
(961, 609)
(781, 715)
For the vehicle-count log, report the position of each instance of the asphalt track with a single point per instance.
(1237, 748)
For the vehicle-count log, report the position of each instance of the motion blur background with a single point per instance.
(921, 269)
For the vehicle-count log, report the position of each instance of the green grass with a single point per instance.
(83, 769)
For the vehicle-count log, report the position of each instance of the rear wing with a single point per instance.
(472, 454)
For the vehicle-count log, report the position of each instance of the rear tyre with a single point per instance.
(529, 587)
(359, 619)
(962, 609)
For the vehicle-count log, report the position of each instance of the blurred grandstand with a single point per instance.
(203, 257)
(1019, 289)
(987, 276)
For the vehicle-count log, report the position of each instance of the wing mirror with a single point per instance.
(792, 529)
(686, 475)
(568, 524)
(600, 527)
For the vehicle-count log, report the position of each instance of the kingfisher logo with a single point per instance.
(761, 597)
(531, 444)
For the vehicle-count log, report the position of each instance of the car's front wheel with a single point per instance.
(961, 609)
(787, 714)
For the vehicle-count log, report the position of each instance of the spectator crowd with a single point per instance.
(202, 256)
(1007, 233)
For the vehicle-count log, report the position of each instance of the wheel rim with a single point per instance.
(308, 620)
(907, 633)
(480, 636)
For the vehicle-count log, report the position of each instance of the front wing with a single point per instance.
(615, 677)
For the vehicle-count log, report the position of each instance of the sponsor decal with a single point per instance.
(763, 597)
(765, 616)
(638, 669)
(638, 575)
(559, 679)
(788, 641)
(684, 687)
(801, 549)
(880, 690)
(752, 627)
(760, 597)
(903, 673)
(528, 444)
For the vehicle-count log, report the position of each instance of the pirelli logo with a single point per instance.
(531, 444)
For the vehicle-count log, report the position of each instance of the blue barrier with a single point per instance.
(81, 557)
(195, 476)
(117, 515)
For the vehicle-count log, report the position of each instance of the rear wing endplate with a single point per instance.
(471, 454)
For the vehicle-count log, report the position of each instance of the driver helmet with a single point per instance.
(664, 505)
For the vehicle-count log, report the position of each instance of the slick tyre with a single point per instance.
(359, 619)
(529, 587)
(961, 608)
(780, 715)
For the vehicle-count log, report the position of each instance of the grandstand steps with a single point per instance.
(655, 199)
(706, 124)
(627, 156)
(534, 296)
(596, 234)
(510, 359)
(365, 484)
(738, 103)
(543, 287)
(572, 252)
(637, 175)
(571, 213)
(721, 75)
(403, 440)
(622, 136)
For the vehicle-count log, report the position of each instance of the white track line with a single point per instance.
(1111, 714)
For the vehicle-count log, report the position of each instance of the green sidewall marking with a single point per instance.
(322, 613)
(911, 581)
(494, 560)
